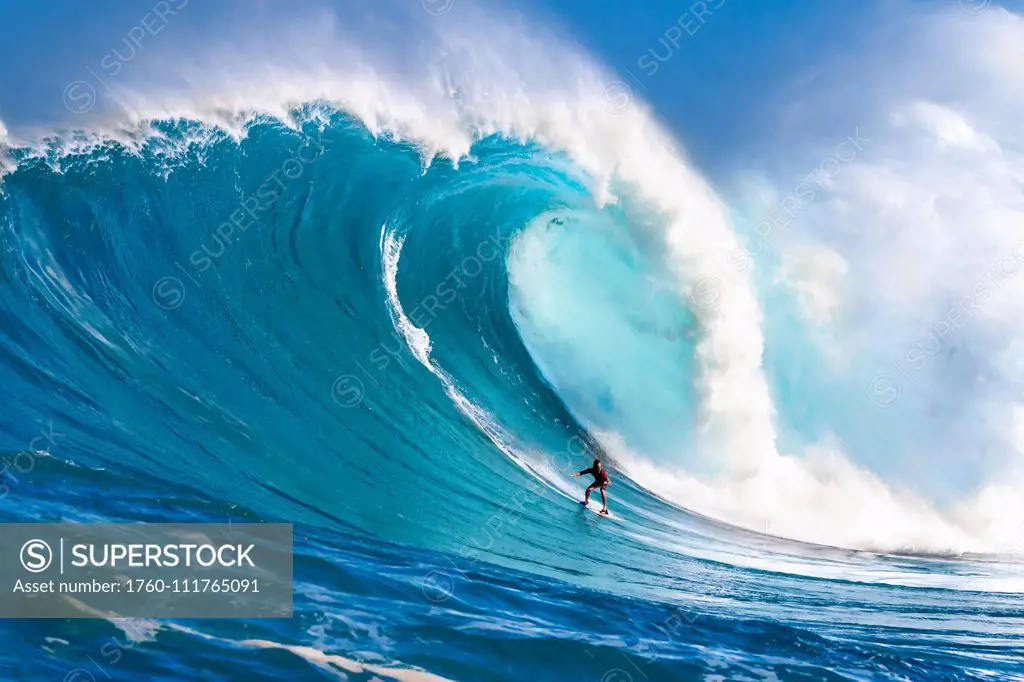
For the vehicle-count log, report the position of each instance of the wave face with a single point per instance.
(403, 325)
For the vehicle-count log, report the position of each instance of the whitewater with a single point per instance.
(400, 302)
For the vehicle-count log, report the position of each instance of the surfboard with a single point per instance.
(596, 509)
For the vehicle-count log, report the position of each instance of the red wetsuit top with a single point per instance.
(600, 476)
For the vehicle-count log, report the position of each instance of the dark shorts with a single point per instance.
(599, 484)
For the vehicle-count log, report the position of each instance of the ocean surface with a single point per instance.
(302, 317)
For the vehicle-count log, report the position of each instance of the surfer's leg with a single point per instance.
(604, 499)
(586, 495)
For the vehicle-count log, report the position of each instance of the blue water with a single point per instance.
(162, 364)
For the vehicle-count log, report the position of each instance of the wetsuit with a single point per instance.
(600, 477)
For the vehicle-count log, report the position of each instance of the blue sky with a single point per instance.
(718, 78)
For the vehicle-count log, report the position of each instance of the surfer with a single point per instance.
(601, 481)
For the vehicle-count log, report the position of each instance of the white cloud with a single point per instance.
(816, 274)
(924, 226)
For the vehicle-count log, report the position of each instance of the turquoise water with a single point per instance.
(407, 360)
